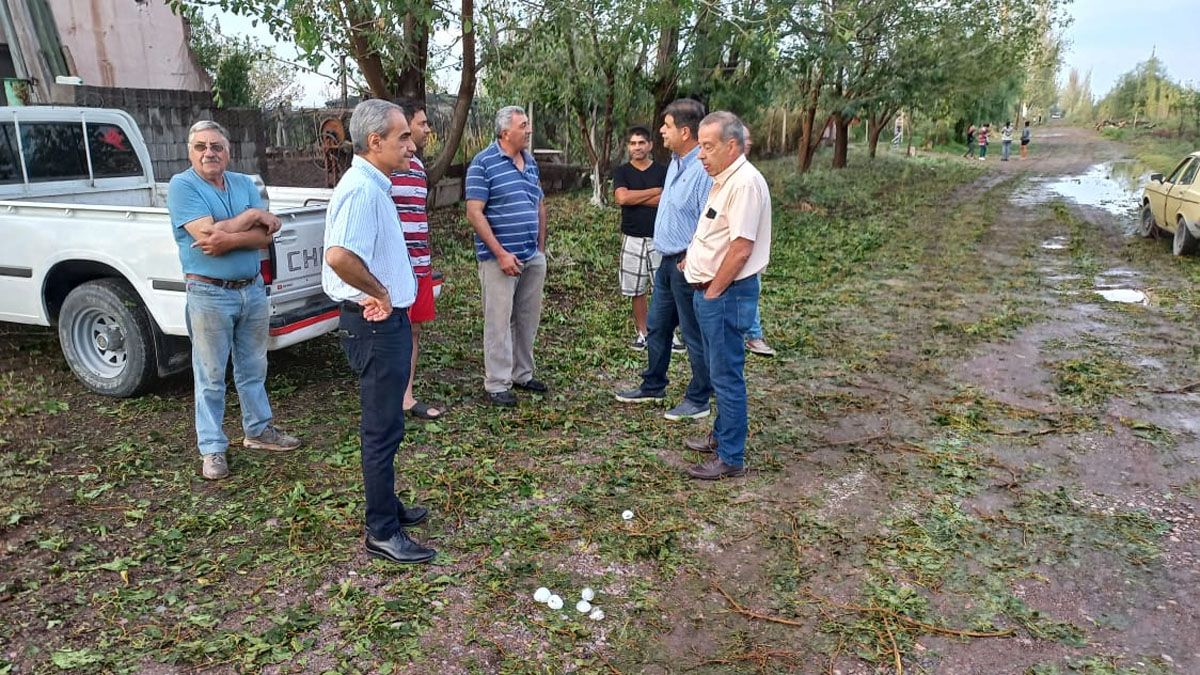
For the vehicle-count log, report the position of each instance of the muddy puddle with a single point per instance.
(1129, 296)
(1111, 186)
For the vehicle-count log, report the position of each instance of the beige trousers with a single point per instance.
(512, 311)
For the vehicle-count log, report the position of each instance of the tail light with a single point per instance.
(437, 278)
(267, 270)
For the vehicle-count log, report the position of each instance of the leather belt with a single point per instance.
(223, 283)
(352, 307)
(702, 287)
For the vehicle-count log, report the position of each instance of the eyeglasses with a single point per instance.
(215, 147)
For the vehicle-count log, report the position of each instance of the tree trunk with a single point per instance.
(665, 85)
(841, 140)
(873, 137)
(410, 81)
(466, 94)
(368, 60)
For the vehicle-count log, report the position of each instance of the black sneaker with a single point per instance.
(505, 398)
(639, 395)
(534, 385)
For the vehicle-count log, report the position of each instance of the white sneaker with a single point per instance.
(215, 467)
(759, 346)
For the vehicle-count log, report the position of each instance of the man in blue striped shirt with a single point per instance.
(367, 269)
(679, 210)
(506, 208)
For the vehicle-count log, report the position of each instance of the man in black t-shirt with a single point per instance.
(637, 186)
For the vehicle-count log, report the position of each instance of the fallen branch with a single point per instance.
(895, 648)
(928, 627)
(1178, 390)
(749, 613)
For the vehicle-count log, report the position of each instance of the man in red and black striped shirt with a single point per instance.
(409, 191)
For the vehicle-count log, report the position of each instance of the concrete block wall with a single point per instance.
(165, 116)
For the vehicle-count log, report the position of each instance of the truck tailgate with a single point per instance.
(299, 307)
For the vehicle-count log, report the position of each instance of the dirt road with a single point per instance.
(1011, 444)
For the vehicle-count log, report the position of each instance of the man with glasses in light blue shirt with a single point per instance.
(679, 210)
(221, 228)
(367, 270)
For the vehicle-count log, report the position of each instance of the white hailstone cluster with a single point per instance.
(544, 596)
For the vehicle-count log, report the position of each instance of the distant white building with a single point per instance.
(49, 46)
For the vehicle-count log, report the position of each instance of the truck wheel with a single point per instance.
(1185, 241)
(107, 338)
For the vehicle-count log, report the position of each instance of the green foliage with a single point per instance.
(231, 85)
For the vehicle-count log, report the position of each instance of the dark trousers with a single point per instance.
(380, 354)
(671, 306)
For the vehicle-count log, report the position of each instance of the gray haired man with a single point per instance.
(220, 227)
(367, 269)
(506, 208)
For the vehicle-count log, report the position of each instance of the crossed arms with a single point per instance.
(252, 229)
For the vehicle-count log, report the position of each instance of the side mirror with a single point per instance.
(1156, 177)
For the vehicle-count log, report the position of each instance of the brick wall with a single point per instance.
(164, 117)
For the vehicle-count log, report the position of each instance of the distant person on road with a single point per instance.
(410, 190)
(1026, 136)
(220, 228)
(756, 343)
(367, 270)
(983, 141)
(970, 153)
(679, 209)
(507, 209)
(731, 248)
(1006, 139)
(637, 185)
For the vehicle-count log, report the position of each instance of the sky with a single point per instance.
(1107, 37)
(1110, 37)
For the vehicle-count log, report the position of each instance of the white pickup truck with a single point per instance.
(87, 246)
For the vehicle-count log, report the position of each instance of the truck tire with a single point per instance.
(107, 338)
(1185, 241)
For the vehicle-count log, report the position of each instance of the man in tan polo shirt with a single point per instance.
(731, 247)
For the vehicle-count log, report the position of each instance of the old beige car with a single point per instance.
(1172, 204)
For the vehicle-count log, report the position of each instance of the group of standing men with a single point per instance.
(711, 238)
(712, 229)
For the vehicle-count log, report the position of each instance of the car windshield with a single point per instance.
(1179, 170)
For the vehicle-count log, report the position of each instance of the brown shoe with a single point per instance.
(715, 469)
(701, 443)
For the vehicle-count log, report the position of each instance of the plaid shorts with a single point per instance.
(639, 260)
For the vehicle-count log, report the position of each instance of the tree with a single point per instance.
(386, 40)
(587, 59)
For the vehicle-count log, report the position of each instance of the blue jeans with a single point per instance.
(225, 322)
(379, 353)
(671, 306)
(755, 332)
(723, 323)
(1005, 150)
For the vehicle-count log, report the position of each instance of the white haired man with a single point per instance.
(220, 227)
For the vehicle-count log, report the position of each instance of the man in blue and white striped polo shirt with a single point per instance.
(367, 269)
(505, 207)
(679, 210)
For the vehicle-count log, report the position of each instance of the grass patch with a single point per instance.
(124, 559)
